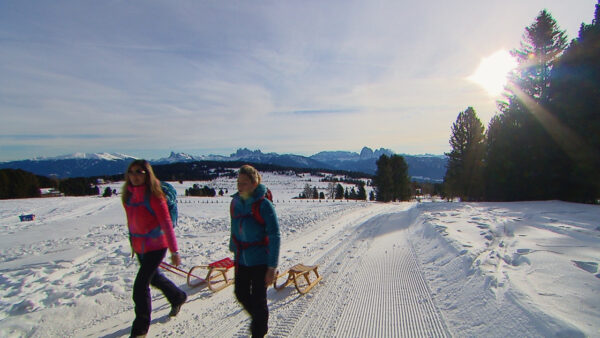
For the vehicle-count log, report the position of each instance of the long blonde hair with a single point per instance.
(152, 183)
(251, 172)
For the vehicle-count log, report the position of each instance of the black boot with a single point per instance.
(176, 307)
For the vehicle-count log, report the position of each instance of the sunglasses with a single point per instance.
(137, 172)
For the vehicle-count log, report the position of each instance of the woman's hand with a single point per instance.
(270, 276)
(175, 259)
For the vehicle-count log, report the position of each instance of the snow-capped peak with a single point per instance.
(177, 157)
(90, 156)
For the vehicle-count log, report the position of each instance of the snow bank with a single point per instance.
(514, 264)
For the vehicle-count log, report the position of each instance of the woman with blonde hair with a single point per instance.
(255, 242)
(150, 233)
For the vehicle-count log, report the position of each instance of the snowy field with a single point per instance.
(389, 270)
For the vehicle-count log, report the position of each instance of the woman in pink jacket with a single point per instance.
(151, 233)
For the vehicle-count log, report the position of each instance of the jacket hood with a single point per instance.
(259, 192)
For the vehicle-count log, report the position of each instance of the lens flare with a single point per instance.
(492, 72)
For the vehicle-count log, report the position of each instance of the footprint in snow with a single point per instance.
(591, 267)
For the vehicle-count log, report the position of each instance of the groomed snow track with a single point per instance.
(372, 286)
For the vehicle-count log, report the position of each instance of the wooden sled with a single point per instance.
(293, 276)
(216, 278)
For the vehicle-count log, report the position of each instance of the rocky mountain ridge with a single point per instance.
(421, 167)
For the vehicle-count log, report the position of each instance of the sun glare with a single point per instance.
(493, 70)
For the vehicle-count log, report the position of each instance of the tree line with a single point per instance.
(205, 191)
(17, 183)
(335, 191)
(544, 143)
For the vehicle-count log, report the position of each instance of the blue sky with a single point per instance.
(207, 77)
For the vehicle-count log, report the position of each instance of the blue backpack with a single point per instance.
(171, 196)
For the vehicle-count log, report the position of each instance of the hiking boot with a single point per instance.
(176, 307)
(138, 336)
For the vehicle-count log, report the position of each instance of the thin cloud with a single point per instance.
(32, 137)
(340, 111)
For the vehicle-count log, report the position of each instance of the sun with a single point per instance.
(492, 72)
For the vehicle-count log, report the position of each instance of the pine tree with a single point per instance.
(352, 195)
(522, 148)
(499, 166)
(464, 173)
(400, 179)
(107, 192)
(362, 193)
(339, 192)
(383, 180)
(543, 43)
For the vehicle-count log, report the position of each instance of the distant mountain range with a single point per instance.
(420, 167)
(74, 165)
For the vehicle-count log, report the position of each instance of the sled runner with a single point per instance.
(303, 285)
(216, 278)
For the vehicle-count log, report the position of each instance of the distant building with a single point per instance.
(50, 192)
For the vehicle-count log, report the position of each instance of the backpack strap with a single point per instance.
(154, 233)
(256, 211)
(145, 202)
(241, 245)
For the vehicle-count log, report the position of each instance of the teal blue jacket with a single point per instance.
(247, 240)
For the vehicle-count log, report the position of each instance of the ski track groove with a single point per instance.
(232, 326)
(440, 325)
(379, 295)
(326, 304)
(298, 313)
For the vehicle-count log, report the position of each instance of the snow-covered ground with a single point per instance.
(389, 270)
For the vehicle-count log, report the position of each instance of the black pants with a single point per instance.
(149, 275)
(250, 290)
